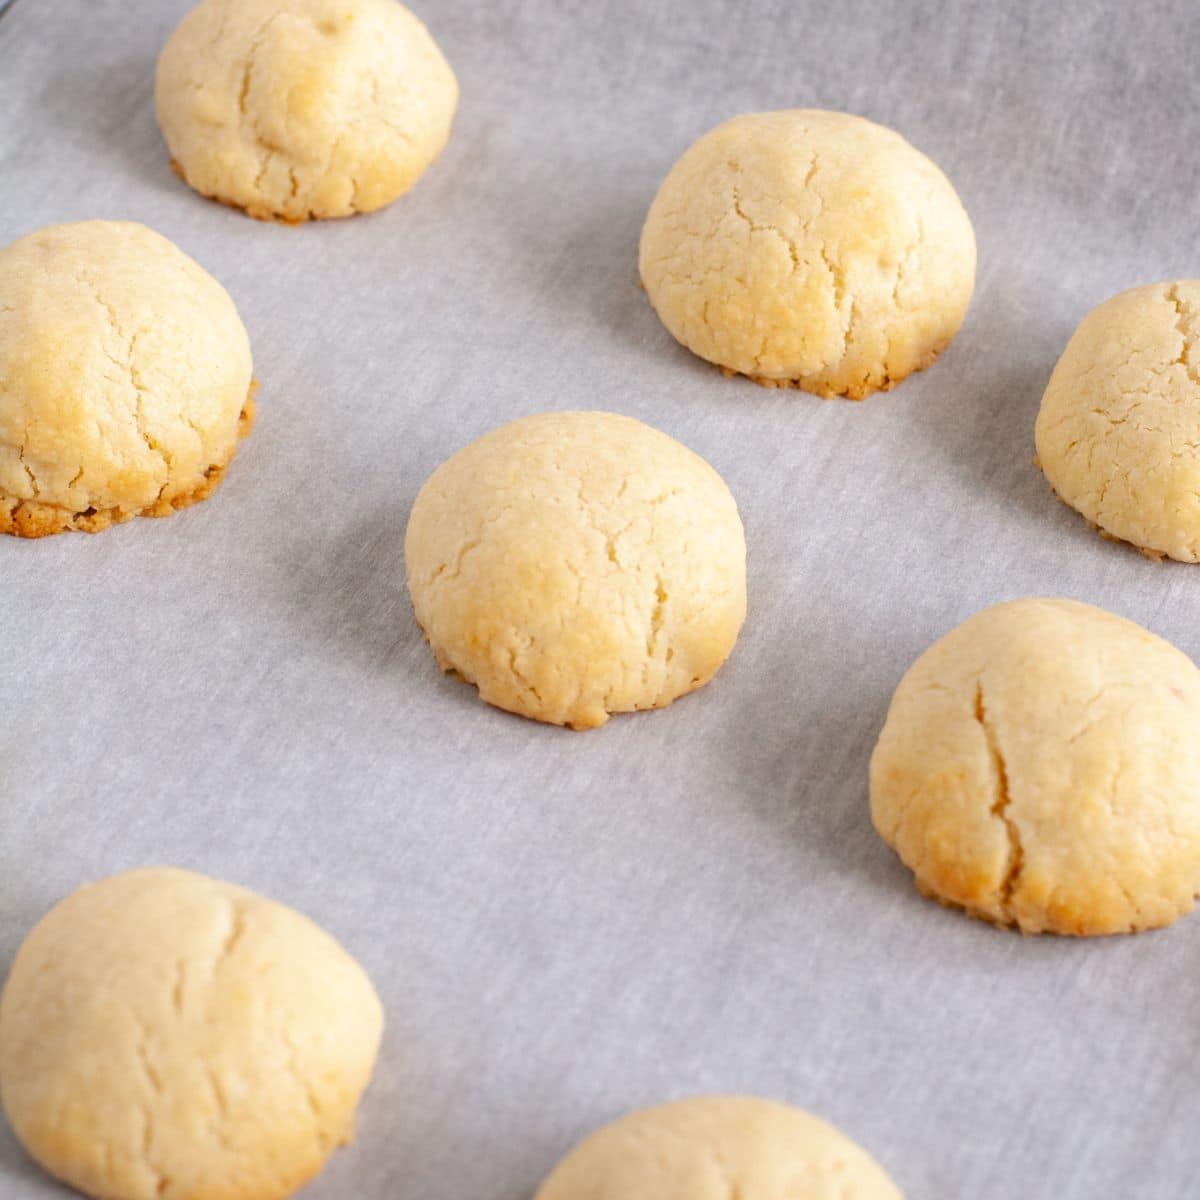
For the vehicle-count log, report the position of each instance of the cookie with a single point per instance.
(125, 378)
(293, 109)
(1118, 434)
(576, 564)
(714, 1148)
(810, 249)
(163, 1034)
(1040, 767)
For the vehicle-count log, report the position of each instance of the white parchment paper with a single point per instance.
(564, 926)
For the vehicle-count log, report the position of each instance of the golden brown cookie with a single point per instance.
(165, 1035)
(576, 564)
(303, 108)
(809, 248)
(1040, 767)
(715, 1148)
(1118, 434)
(125, 378)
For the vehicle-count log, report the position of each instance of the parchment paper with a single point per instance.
(565, 926)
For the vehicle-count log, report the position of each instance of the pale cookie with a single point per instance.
(1040, 767)
(1118, 434)
(165, 1036)
(809, 248)
(714, 1148)
(125, 378)
(576, 564)
(303, 108)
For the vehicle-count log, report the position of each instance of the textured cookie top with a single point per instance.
(124, 370)
(1040, 766)
(303, 108)
(165, 1035)
(809, 247)
(1118, 434)
(576, 564)
(714, 1148)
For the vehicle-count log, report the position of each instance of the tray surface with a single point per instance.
(565, 926)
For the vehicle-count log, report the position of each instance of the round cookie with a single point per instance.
(125, 378)
(811, 249)
(1040, 767)
(163, 1034)
(715, 1147)
(1118, 434)
(303, 108)
(576, 564)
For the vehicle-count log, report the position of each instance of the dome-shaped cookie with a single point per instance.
(125, 378)
(303, 108)
(576, 564)
(1040, 767)
(1118, 434)
(714, 1148)
(165, 1035)
(809, 248)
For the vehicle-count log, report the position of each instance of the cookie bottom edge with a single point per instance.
(32, 519)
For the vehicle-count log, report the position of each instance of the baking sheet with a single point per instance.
(565, 926)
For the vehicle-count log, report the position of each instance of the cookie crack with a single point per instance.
(1001, 804)
(152, 1077)
(472, 542)
(218, 1091)
(837, 277)
(307, 1090)
(731, 1187)
(836, 271)
(139, 413)
(521, 677)
(1184, 321)
(267, 152)
(754, 227)
(136, 382)
(903, 266)
(162, 1181)
(256, 42)
(33, 483)
(454, 569)
(179, 986)
(814, 165)
(657, 615)
(154, 1086)
(233, 935)
(663, 497)
(905, 260)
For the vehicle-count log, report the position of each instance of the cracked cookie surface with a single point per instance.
(166, 1036)
(811, 249)
(576, 564)
(1118, 433)
(125, 378)
(298, 109)
(1040, 767)
(718, 1148)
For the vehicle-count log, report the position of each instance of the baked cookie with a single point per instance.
(125, 378)
(303, 108)
(1118, 434)
(166, 1035)
(576, 564)
(714, 1148)
(1040, 767)
(810, 249)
